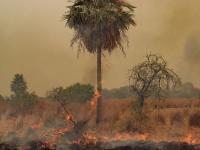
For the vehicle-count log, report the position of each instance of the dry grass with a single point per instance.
(163, 120)
(194, 119)
(159, 118)
(176, 118)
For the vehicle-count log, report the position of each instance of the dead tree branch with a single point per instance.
(152, 78)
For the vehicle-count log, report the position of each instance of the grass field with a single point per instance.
(165, 120)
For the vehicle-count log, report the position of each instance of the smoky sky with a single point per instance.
(192, 50)
(35, 42)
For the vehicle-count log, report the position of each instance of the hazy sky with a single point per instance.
(34, 41)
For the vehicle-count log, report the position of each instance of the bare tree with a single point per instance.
(152, 78)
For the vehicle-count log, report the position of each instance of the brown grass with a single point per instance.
(176, 118)
(163, 120)
(194, 119)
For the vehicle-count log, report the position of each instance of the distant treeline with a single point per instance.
(83, 92)
(187, 90)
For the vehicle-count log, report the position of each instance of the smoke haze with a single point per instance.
(34, 41)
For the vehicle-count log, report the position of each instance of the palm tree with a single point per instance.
(99, 26)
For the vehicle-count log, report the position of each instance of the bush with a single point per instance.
(19, 86)
(194, 119)
(75, 93)
(118, 93)
(25, 103)
(1, 98)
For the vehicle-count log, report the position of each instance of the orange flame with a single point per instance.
(69, 117)
(126, 136)
(55, 135)
(190, 139)
(93, 102)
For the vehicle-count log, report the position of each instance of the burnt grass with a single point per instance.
(115, 145)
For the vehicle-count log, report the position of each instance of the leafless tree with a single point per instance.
(152, 78)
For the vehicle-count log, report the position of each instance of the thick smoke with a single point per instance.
(192, 51)
(34, 41)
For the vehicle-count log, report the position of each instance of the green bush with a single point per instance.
(19, 86)
(75, 93)
(24, 103)
(21, 99)
(1, 98)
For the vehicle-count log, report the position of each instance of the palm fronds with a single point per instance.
(99, 24)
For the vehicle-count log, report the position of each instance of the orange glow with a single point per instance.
(93, 101)
(54, 135)
(125, 137)
(190, 139)
(97, 94)
(87, 138)
(69, 118)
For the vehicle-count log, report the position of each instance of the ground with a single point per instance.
(165, 120)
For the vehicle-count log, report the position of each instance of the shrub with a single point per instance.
(19, 86)
(76, 93)
(1, 98)
(25, 103)
(194, 119)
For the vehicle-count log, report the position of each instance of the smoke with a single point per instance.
(34, 41)
(90, 75)
(192, 50)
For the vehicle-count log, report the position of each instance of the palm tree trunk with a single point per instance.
(99, 88)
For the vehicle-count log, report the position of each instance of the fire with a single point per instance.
(54, 135)
(126, 137)
(90, 136)
(93, 102)
(97, 94)
(190, 139)
(143, 137)
(69, 118)
(87, 138)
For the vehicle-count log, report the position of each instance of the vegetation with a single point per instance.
(194, 119)
(162, 123)
(1, 97)
(160, 116)
(118, 93)
(99, 25)
(186, 90)
(75, 93)
(18, 86)
(21, 98)
(152, 78)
